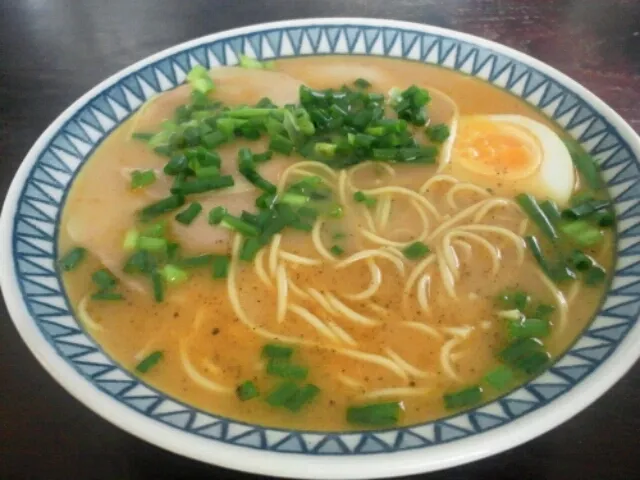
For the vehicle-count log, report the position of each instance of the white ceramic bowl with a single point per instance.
(40, 309)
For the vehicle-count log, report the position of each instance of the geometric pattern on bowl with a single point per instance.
(44, 193)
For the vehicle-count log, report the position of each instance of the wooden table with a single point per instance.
(52, 51)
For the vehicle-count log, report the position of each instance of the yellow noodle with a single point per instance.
(464, 186)
(273, 254)
(378, 165)
(458, 217)
(406, 366)
(324, 303)
(409, 193)
(317, 241)
(298, 259)
(518, 242)
(445, 361)
(421, 327)
(561, 302)
(423, 287)
(398, 392)
(84, 316)
(365, 254)
(282, 284)
(417, 271)
(376, 359)
(301, 165)
(344, 336)
(348, 381)
(446, 275)
(464, 246)
(450, 257)
(211, 367)
(297, 290)
(198, 378)
(374, 285)
(382, 218)
(348, 312)
(342, 188)
(493, 251)
(436, 179)
(493, 203)
(258, 264)
(314, 321)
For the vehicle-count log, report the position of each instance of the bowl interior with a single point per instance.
(33, 207)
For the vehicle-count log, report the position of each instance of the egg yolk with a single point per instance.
(494, 149)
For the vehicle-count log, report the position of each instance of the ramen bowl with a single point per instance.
(40, 308)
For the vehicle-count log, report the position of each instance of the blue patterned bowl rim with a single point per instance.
(40, 309)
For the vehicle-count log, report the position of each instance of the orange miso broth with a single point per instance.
(342, 255)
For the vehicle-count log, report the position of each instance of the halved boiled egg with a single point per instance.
(511, 154)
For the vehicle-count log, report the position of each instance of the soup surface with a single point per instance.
(421, 257)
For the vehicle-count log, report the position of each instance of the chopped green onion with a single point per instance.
(158, 286)
(214, 139)
(157, 229)
(582, 233)
(326, 149)
(438, 133)
(187, 216)
(535, 213)
(220, 266)
(604, 219)
(161, 207)
(463, 398)
(294, 199)
(336, 211)
(107, 296)
(262, 157)
(518, 348)
(201, 185)
(543, 311)
(130, 242)
(584, 164)
(248, 62)
(362, 83)
(195, 262)
(337, 250)
(247, 169)
(72, 259)
(144, 136)
(375, 414)
(174, 275)
(282, 393)
(500, 377)
(529, 327)
(536, 251)
(200, 80)
(551, 210)
(247, 390)
(140, 262)
(151, 244)
(238, 225)
(273, 350)
(533, 362)
(595, 275)
(216, 215)
(249, 249)
(150, 361)
(104, 279)
(205, 172)
(284, 369)
(281, 144)
(303, 396)
(360, 197)
(415, 251)
(580, 261)
(140, 179)
(586, 209)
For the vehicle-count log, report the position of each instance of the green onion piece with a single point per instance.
(284, 369)
(150, 361)
(543, 311)
(360, 197)
(500, 377)
(158, 286)
(248, 62)
(158, 229)
(194, 262)
(250, 248)
(308, 212)
(201, 185)
(463, 398)
(152, 244)
(280, 144)
(415, 250)
(438, 133)
(247, 169)
(72, 259)
(326, 149)
(584, 164)
(294, 199)
(214, 139)
(586, 209)
(174, 275)
(216, 215)
(529, 327)
(238, 225)
(374, 414)
(536, 251)
(130, 242)
(104, 279)
(519, 350)
(362, 83)
(187, 216)
(535, 213)
(337, 250)
(273, 350)
(140, 262)
(200, 80)
(336, 211)
(521, 300)
(580, 261)
(102, 295)
(303, 396)
(205, 172)
(161, 207)
(582, 233)
(551, 210)
(282, 393)
(262, 157)
(220, 267)
(533, 362)
(140, 179)
(143, 136)
(595, 275)
(517, 299)
(247, 390)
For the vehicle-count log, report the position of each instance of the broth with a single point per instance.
(400, 344)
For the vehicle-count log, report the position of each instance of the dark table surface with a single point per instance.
(52, 51)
